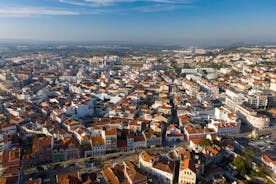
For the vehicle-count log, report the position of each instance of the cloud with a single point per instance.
(98, 3)
(33, 11)
(114, 6)
(98, 7)
(155, 8)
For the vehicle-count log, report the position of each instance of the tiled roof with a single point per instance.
(164, 167)
(147, 157)
(184, 154)
(33, 181)
(45, 141)
(110, 176)
(212, 150)
(268, 159)
(196, 140)
(188, 164)
(98, 140)
(68, 178)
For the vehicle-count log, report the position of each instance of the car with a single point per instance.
(91, 160)
(72, 165)
(56, 166)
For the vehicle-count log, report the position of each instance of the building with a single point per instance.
(158, 166)
(45, 149)
(10, 162)
(110, 177)
(98, 146)
(152, 138)
(72, 177)
(224, 114)
(199, 133)
(110, 137)
(58, 153)
(233, 99)
(187, 170)
(270, 161)
(139, 142)
(208, 87)
(132, 174)
(250, 116)
(71, 148)
(273, 86)
(191, 88)
(225, 128)
(174, 134)
(261, 100)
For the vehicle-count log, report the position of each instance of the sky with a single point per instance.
(141, 21)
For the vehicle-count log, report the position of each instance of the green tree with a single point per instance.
(243, 164)
(248, 160)
(216, 142)
(249, 150)
(205, 143)
(240, 164)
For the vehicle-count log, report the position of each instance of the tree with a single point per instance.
(249, 151)
(216, 142)
(205, 143)
(240, 164)
(247, 160)
(183, 75)
(243, 164)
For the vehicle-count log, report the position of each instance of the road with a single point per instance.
(81, 164)
(172, 119)
(270, 130)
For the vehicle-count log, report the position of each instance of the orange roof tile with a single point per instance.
(68, 178)
(147, 157)
(110, 176)
(188, 164)
(33, 181)
(212, 150)
(98, 140)
(163, 167)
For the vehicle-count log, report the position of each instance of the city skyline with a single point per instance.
(149, 21)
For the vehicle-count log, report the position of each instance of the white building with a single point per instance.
(191, 88)
(269, 161)
(251, 117)
(187, 171)
(273, 86)
(225, 128)
(174, 134)
(224, 114)
(154, 167)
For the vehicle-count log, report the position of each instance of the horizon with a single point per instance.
(29, 42)
(165, 22)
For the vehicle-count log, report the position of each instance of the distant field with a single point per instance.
(133, 64)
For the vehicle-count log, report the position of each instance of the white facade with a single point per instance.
(148, 166)
(225, 128)
(186, 176)
(251, 117)
(270, 163)
(273, 86)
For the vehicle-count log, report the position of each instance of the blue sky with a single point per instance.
(150, 21)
